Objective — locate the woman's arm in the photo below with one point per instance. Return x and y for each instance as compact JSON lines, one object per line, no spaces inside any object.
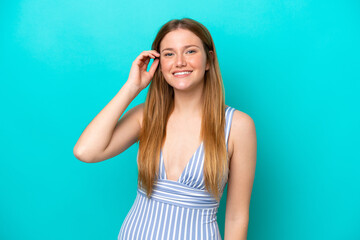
{"x":106,"y":136}
{"x":99,"y":134}
{"x":241,"y":176}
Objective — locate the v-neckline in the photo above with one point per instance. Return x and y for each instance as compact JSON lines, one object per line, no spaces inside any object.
{"x":186,"y":166}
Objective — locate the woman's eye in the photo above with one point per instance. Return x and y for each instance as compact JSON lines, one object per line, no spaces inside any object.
{"x":167,"y":54}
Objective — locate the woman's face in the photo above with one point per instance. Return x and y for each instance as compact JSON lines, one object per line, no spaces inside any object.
{"x":182,"y":51}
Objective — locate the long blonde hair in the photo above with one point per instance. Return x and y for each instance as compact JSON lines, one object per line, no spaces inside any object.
{"x":160,"y":103}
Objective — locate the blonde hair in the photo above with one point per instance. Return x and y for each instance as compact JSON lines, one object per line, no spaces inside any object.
{"x":160,"y":103}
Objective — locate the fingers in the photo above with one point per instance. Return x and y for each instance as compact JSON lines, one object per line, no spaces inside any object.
{"x":142,"y":61}
{"x":144,"y":58}
{"x":149,"y":54}
{"x":154,"y":53}
{"x":153,"y":67}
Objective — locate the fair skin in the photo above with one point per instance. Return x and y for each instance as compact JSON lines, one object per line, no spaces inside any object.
{"x":113,"y":136}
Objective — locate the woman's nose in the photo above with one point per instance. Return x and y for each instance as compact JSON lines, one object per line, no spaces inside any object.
{"x":180,"y":60}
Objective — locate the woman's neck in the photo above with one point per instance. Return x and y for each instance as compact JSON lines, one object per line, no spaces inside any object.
{"x":188,"y":103}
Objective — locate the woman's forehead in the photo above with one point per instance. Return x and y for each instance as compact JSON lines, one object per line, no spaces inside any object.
{"x":179,"y":38}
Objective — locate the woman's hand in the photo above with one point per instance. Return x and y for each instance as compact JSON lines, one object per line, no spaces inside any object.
{"x":138,"y":76}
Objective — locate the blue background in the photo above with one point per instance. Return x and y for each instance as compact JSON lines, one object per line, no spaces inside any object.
{"x":293,"y":66}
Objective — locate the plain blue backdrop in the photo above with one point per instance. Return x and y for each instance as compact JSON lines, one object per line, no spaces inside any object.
{"x":293,"y":66}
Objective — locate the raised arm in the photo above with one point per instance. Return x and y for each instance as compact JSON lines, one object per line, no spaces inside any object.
{"x":241,"y":176}
{"x":106,"y":136}
{"x":105,"y":129}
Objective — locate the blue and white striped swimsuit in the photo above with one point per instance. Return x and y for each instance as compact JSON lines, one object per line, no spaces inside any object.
{"x":177,"y":210}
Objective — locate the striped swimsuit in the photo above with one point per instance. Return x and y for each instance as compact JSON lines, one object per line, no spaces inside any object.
{"x":176,"y":210}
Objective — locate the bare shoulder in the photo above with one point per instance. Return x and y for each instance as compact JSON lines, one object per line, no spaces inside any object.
{"x":134,"y":114}
{"x":242,"y":130}
{"x":139,"y":112}
{"x":242,"y":121}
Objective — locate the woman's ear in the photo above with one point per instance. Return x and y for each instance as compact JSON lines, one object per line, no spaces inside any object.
{"x":212,"y":54}
{"x":208,"y":64}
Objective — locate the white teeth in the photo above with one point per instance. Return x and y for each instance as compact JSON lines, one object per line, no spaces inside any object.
{"x":181,"y":73}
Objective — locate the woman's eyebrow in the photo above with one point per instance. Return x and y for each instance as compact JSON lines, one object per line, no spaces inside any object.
{"x":192,"y":45}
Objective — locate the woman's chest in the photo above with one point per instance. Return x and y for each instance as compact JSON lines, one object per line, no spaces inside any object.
{"x":180,"y":146}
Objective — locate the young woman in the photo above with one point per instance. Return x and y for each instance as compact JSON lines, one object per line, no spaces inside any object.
{"x":190,"y":143}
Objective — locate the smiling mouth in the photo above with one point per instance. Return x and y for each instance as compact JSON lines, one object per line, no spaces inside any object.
{"x":182,"y":74}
